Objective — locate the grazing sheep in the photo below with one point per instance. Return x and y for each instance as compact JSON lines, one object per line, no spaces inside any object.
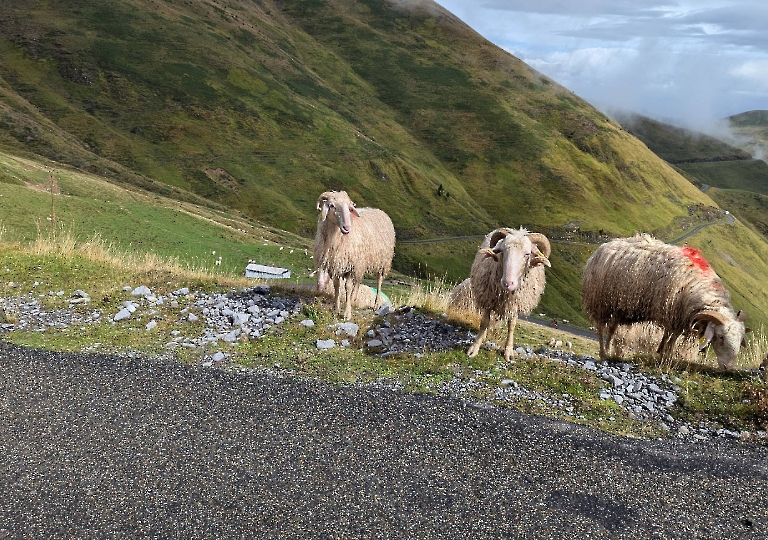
{"x":641,"y":279}
{"x":350,"y":242}
{"x":507,"y":278}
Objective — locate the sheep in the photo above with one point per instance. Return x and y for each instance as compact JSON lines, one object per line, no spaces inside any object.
{"x":350,"y":242}
{"x":507,"y":277}
{"x":641,"y":279}
{"x":364,"y":298}
{"x":461,"y":298}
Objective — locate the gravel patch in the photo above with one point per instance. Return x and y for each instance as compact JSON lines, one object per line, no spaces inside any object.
{"x":248,"y":314}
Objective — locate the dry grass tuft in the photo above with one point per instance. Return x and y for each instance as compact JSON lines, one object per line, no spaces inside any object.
{"x":63,"y":243}
{"x":755,"y":353}
{"x":432,"y":297}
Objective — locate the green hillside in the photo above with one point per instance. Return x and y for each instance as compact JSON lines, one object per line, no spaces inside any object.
{"x":749,"y":175}
{"x":234,"y":102}
{"x":86,"y":207}
{"x":257,"y":107}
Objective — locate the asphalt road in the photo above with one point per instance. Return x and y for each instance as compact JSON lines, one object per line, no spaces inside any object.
{"x":104,"y":447}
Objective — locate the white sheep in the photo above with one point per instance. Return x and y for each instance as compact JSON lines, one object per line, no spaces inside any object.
{"x":351,"y":242}
{"x":641,"y":279}
{"x":507,"y":278}
{"x":461,"y":298}
{"x":364,"y":298}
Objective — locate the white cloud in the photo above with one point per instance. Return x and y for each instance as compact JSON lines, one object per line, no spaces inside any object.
{"x":688,"y":60}
{"x":754,"y":71}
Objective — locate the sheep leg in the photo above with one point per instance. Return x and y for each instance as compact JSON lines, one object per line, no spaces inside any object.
{"x":378,"y":291}
{"x":481,"y":334}
{"x":509,"y":352}
{"x":665,"y":347}
{"x":600,"y":338}
{"x":351,"y":285}
{"x":337,"y":293}
{"x":609,"y":338}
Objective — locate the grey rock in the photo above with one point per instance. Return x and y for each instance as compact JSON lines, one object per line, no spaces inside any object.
{"x":309,"y":323}
{"x":239,"y":319}
{"x":374,"y":343}
{"x":122,"y":315}
{"x":141,"y":290}
{"x":347,"y":329}
{"x":384,"y":310}
{"x":325,"y":344}
{"x":232,"y":336}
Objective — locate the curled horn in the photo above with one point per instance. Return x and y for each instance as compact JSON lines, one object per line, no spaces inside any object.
{"x":542,"y":247}
{"x":497,"y":235}
{"x":542,"y":242}
{"x":710,"y":315}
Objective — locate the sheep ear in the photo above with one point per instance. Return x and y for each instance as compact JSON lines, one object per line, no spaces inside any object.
{"x":324,"y":211}
{"x":741,"y":316}
{"x":709,"y":333}
{"x":323,"y":198}
{"x":538,"y":258}
{"x":489,"y":254}
{"x":353,"y":210}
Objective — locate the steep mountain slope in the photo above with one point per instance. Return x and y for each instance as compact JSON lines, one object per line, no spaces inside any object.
{"x":261,"y":105}
{"x":234,"y":101}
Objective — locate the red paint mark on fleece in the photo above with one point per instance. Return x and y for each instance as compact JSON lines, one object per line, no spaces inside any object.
{"x":695,"y":257}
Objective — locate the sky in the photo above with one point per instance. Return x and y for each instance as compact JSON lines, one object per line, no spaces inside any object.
{"x":688,"y":62}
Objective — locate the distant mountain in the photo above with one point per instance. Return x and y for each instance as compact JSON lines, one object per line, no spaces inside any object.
{"x":751,"y":130}
{"x":750,"y":119}
{"x":675,"y":144}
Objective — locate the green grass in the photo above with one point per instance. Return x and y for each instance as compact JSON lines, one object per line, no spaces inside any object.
{"x":742,"y":175}
{"x":750,"y":208}
{"x":138,"y":221}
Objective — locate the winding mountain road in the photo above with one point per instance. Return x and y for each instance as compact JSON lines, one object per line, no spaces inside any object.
{"x":96,"y":446}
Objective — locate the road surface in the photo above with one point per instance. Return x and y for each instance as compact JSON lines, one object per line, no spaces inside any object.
{"x":105,"y":447}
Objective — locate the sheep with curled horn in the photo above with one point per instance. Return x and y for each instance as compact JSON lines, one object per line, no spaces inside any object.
{"x":641,"y":279}
{"x":351,"y":242}
{"x":507,"y":278}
